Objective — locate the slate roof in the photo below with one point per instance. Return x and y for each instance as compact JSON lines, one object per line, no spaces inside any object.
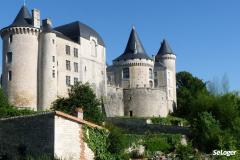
{"x":77,"y":29}
{"x":164,"y":49}
{"x":23,"y":18}
{"x":134,"y":48}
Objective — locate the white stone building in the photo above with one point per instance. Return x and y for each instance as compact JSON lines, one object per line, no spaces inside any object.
{"x":41,"y":62}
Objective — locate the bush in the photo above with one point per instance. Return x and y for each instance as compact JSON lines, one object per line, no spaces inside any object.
{"x":81,"y":95}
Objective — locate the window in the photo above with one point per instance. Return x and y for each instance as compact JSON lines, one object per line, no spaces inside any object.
{"x":126,"y":73}
{"x":67,"y":49}
{"x":53,"y":41}
{"x":93,"y":48}
{"x":10,"y":38}
{"x":75,"y":51}
{"x":155,"y":83}
{"x":9,"y":57}
{"x":53,"y":73}
{"x":75,"y":80}
{"x":150,"y":73}
{"x":75,"y":67}
{"x":68,"y":80}
{"x":155,"y":74}
{"x":68,"y":65}
{"x":150,"y":84}
{"x":10,"y":75}
{"x":53,"y":58}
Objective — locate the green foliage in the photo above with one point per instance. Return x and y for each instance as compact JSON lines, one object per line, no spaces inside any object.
{"x":188,"y":88}
{"x":81,"y":95}
{"x":187,"y":152}
{"x":6,"y":110}
{"x":116,"y":140}
{"x":170,"y":120}
{"x":97,"y":140}
{"x":154,"y":143}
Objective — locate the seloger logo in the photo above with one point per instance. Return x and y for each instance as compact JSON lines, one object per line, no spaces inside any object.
{"x":223,"y":153}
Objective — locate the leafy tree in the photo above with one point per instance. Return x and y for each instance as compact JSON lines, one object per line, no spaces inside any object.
{"x":188,"y":88}
{"x":3,"y":99}
{"x":81,"y":95}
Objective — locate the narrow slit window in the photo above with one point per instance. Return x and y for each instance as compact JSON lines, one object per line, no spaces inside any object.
{"x":10,"y":75}
{"x":9,"y":57}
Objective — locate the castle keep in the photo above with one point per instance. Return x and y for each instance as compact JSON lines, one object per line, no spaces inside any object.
{"x":41,"y":62}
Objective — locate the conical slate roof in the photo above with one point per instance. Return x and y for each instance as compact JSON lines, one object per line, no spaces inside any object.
{"x":134,"y":48}
{"x":164,"y":49}
{"x":23,"y":18}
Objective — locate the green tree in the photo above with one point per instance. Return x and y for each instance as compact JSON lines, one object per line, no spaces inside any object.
{"x":81,"y":95}
{"x":188,"y":88}
{"x":3,"y":99}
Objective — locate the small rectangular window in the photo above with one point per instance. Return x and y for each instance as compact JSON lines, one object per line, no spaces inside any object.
{"x":10,"y":75}
{"x":68,"y":80}
{"x":75,"y":67}
{"x":67,"y":49}
{"x":68,"y":65}
{"x":126,"y":73}
{"x":53,"y":73}
{"x":9,"y":57}
{"x":75,"y":80}
{"x":53,"y":58}
{"x":10,"y":38}
{"x":53,"y":41}
{"x":75,"y":50}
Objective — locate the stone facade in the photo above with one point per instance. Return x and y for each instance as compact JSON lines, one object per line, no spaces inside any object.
{"x":41,"y":62}
{"x":54,"y":134}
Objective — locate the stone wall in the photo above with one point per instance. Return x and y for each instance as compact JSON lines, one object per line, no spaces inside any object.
{"x":28,"y":134}
{"x":114,"y":105}
{"x":145,"y":102}
{"x":44,"y":133}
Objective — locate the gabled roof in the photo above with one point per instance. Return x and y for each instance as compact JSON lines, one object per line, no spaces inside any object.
{"x":23,"y":18}
{"x":164,"y":49}
{"x":134,"y":48}
{"x":77,"y":29}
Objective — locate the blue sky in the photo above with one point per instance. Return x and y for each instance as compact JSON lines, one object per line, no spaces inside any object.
{"x":204,"y":34}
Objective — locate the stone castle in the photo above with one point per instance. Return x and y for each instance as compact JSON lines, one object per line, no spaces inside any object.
{"x":40,"y":63}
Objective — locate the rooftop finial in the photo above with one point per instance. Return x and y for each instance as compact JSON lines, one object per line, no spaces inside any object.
{"x":133,"y":27}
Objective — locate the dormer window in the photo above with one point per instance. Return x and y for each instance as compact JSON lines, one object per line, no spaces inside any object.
{"x":93,"y":48}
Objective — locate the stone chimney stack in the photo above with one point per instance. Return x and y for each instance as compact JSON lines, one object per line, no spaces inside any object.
{"x":36,"y":18}
{"x":79,"y":112}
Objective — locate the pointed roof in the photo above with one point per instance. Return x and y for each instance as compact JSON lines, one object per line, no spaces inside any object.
{"x":134,"y":48}
{"x":164,"y":49}
{"x":23,"y":18}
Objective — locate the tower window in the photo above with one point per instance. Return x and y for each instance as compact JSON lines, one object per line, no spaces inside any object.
{"x":10,"y":75}
{"x":93,"y":48}
{"x":150,"y":73}
{"x":126,"y":73}
{"x":53,"y":73}
{"x":53,"y":58}
{"x":155,"y":83}
{"x":53,"y":41}
{"x":67,"y":49}
{"x":75,"y":50}
{"x":11,"y":38}
{"x":150,"y":84}
{"x":9,"y":57}
{"x":68,"y":80}
{"x":68,"y":65}
{"x":75,"y":80}
{"x":75,"y":67}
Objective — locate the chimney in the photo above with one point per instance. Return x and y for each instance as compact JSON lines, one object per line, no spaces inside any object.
{"x":47,"y":22}
{"x":36,"y":18}
{"x":79,"y":113}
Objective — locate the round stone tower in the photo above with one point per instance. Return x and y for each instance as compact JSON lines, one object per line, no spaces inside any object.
{"x":48,"y":66}
{"x":134,"y":68}
{"x":165,"y":71}
{"x":20,"y":60}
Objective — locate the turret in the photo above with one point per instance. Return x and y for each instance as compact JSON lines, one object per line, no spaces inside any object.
{"x":20,"y":60}
{"x":165,"y":73}
{"x":47,"y":66}
{"x":134,"y":68}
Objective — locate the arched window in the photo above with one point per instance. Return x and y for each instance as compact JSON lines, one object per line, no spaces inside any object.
{"x":150,"y":73}
{"x":126,"y":73}
{"x":93,"y":48}
{"x":150,"y":84}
